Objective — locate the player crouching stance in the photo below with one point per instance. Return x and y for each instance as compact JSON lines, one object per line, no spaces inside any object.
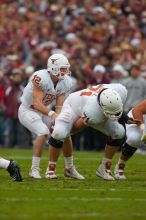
{"x":99,"y":107}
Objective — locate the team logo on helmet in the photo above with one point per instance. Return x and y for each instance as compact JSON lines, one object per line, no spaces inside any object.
{"x":53,"y":60}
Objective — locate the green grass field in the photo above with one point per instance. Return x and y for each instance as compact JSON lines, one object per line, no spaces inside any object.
{"x":92,"y":198}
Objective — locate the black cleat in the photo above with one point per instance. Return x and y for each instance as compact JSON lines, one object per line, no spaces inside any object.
{"x":14,"y":171}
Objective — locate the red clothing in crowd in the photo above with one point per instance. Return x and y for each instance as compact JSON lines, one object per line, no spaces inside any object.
{"x":1,"y":96}
{"x":12,"y":100}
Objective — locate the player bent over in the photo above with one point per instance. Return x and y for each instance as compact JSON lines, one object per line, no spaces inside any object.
{"x":99,"y":107}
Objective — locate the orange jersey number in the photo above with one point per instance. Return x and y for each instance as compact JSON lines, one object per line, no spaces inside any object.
{"x":94,"y":90}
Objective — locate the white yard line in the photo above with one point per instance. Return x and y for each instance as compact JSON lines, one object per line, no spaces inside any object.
{"x":84,"y":199}
{"x":89,"y":189}
{"x":46,"y":158}
{"x":76,"y":215}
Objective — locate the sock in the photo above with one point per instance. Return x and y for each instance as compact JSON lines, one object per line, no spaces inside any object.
{"x":68,"y":162}
{"x":52,"y":166}
{"x":104,"y":160}
{"x":4,"y":163}
{"x":36,"y":161}
{"x":51,"y":162}
{"x":121,"y":161}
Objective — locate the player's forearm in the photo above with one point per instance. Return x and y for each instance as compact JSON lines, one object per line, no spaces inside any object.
{"x":139,"y":110}
{"x":59,"y":103}
{"x":137,"y":114}
{"x":58,"y":109}
{"x":38,"y":105}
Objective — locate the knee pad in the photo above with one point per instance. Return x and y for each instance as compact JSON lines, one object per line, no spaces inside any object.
{"x":115,"y":142}
{"x":127,"y":150}
{"x":55,"y":143}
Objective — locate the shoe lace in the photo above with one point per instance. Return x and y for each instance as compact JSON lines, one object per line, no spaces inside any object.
{"x":36,"y":169}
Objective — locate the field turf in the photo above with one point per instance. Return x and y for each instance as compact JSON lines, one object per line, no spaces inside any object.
{"x":67,"y":199}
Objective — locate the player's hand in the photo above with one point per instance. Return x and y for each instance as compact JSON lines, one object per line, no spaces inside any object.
{"x":78,"y":126}
{"x":54,"y":116}
{"x":51,"y":127}
{"x":133,"y":121}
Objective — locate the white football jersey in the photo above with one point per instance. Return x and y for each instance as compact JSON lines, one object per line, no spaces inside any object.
{"x":85,"y":103}
{"x":43,"y":80}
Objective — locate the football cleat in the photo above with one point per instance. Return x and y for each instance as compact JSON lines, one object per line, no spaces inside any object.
{"x":104,"y":171}
{"x":119,"y":172}
{"x":50,"y":172}
{"x":35,"y":172}
{"x":73,"y":173}
{"x":14,"y":171}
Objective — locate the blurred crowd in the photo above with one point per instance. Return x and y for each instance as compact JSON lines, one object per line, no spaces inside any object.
{"x":104,"y":41}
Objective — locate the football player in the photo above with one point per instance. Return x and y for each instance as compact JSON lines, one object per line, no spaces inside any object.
{"x":136,"y":135}
{"x":12,"y":167}
{"x":46,"y":86}
{"x":99,"y":107}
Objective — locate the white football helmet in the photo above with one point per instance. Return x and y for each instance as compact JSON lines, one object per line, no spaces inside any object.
{"x":111,"y":103}
{"x":56,"y":62}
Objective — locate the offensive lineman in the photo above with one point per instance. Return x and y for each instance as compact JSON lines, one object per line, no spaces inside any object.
{"x":99,"y":107}
{"x":44,"y":87}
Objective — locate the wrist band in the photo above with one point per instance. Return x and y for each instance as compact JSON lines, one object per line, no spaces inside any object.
{"x":51,"y":113}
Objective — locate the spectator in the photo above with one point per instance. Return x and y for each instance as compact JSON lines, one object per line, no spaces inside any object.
{"x":17,"y":135}
{"x":136,"y":87}
{"x":100,"y":75}
{"x":1,"y":115}
{"x":118,"y":74}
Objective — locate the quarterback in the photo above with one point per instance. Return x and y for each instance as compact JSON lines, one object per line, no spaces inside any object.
{"x":46,"y":86}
